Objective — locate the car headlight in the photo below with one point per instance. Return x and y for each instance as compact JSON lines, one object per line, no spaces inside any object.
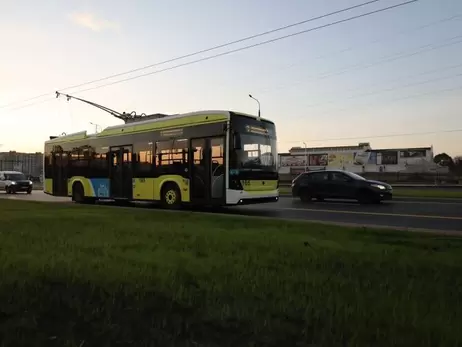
{"x":13,"y":183}
{"x":30,"y":183}
{"x":378,"y":186}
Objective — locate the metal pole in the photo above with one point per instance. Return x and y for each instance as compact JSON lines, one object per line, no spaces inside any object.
{"x":96,"y":127}
{"x":250,"y":95}
{"x":306,"y":157}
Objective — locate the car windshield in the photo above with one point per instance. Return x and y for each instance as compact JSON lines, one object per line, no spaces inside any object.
{"x":355,"y":176}
{"x":258,"y":152}
{"x":15,"y":177}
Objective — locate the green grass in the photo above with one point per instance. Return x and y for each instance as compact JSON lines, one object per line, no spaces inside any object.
{"x":415,"y":193}
{"x":107,"y":276}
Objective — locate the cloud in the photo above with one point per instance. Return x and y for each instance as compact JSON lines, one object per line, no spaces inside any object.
{"x":92,"y":22}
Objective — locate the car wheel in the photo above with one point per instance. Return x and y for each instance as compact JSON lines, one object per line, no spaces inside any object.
{"x":365,"y":197}
{"x":29,"y":191}
{"x":306,"y":196}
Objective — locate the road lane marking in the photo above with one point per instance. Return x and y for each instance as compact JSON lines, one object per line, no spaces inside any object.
{"x":366,"y":213}
{"x":391,"y":202}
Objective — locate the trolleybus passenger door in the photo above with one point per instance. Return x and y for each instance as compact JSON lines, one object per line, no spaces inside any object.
{"x":60,"y":165}
{"x":121,"y":172}
{"x":201,"y":170}
{"x":207,"y":170}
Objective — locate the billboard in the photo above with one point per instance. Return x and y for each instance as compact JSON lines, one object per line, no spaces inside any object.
{"x":289,"y":160}
{"x":365,"y":157}
{"x":340,"y":159}
{"x":318,"y":159}
{"x":388,"y":157}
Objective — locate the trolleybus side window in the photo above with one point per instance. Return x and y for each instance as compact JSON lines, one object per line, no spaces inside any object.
{"x":145,"y":157}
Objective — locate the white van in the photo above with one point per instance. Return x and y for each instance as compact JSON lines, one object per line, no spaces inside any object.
{"x":14,"y":181}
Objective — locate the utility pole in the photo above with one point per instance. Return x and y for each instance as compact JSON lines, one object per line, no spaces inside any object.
{"x":306,"y":157}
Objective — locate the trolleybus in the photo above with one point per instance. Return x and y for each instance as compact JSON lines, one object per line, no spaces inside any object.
{"x":202,"y":158}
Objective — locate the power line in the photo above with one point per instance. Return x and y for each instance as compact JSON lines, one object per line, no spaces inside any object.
{"x":238,"y":49}
{"x":406,"y":31}
{"x":380,"y":91}
{"x":403,"y":77}
{"x":378,"y":136}
{"x":200,"y":52}
{"x":251,"y":46}
{"x":383,"y":60}
{"x":447,"y":90}
{"x":29,"y":105}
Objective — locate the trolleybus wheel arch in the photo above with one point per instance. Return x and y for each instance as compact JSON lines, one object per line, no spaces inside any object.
{"x":170,"y":195}
{"x":78,"y":194}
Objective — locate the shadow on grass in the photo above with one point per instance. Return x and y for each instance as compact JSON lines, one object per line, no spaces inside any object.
{"x":53,"y":313}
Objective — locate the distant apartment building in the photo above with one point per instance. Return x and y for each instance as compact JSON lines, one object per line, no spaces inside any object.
{"x":31,"y":164}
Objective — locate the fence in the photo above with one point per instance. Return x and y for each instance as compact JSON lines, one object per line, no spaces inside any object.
{"x":32,"y":168}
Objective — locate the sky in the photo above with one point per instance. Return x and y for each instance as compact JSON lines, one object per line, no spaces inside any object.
{"x":393,"y":79}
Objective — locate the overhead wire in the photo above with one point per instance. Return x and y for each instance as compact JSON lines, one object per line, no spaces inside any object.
{"x":446,"y":90}
{"x":378,"y":136}
{"x":247,"y":38}
{"x":390,"y":89}
{"x":383,"y":60}
{"x":251,"y":46}
{"x":377,"y":40}
{"x":427,"y":72}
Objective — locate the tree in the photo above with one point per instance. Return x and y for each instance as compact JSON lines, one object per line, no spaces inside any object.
{"x":458,"y":165}
{"x":443,"y":159}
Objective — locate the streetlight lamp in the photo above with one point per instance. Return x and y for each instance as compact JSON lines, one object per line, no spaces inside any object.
{"x":96,"y":126}
{"x":250,"y":96}
{"x":306,"y":156}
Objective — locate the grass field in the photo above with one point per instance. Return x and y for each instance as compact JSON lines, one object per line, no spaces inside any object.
{"x":99,"y":276}
{"x":411,"y":192}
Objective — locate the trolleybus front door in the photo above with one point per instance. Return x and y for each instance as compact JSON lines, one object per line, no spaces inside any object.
{"x":207,"y":170}
{"x":121,"y":172}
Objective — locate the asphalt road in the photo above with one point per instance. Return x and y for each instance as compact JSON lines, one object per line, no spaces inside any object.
{"x":403,"y":213}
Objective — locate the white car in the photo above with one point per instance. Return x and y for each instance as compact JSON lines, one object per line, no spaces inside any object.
{"x":13,"y":181}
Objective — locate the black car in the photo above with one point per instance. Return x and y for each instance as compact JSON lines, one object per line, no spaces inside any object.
{"x":337,"y":184}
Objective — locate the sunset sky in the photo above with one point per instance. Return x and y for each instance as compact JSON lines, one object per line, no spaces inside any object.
{"x":393,"y":79}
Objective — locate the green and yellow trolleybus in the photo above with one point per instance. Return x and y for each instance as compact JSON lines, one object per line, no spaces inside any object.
{"x":202,"y":158}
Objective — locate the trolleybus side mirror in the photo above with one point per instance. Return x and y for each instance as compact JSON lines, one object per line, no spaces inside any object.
{"x":237,"y":141}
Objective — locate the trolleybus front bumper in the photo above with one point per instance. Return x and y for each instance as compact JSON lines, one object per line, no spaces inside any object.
{"x":241,"y":197}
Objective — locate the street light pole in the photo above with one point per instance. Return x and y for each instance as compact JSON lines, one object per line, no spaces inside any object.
{"x":250,"y":95}
{"x":96,"y":127}
{"x":306,"y":157}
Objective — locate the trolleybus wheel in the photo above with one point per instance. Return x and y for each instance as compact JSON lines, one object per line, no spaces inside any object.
{"x":171,"y":196}
{"x":78,"y":194}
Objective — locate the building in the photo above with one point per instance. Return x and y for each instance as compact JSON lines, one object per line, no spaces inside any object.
{"x":359,"y":158}
{"x":31,"y":164}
